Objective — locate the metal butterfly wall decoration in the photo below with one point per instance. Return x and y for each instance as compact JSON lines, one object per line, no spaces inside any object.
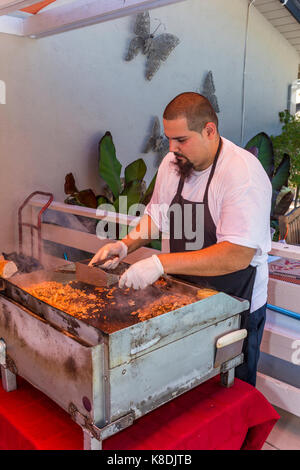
{"x":209,"y":91}
{"x":156,"y":49}
{"x":156,"y":143}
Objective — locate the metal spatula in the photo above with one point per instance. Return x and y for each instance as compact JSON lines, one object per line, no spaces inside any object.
{"x":103,"y":261}
{"x":111,"y":278}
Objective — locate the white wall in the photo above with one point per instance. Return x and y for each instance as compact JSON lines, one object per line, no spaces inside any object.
{"x":271,"y":65}
{"x":63,"y":92}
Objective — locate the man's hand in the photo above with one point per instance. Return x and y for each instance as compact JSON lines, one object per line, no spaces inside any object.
{"x":142,"y":274}
{"x":118,"y":249}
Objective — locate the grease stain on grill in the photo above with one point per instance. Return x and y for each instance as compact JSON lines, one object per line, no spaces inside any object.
{"x":15,"y":334}
{"x":7,"y":317}
{"x":11,"y":365}
{"x":70,"y":367}
{"x":72,"y":327}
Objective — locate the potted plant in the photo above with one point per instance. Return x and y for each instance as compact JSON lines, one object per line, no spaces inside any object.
{"x":131,"y":185}
{"x":289,"y":142}
{"x":262,"y":147}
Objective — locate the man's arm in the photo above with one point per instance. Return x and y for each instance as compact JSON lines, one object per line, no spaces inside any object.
{"x":218,"y":259}
{"x":221,"y":258}
{"x":142,"y":234}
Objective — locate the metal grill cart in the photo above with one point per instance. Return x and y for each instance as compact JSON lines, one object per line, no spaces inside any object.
{"x":108,"y":372}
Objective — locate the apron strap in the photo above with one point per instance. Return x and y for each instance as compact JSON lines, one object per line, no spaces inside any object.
{"x":179,"y":189}
{"x":212,"y":171}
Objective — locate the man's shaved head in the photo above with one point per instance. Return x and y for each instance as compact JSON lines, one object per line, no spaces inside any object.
{"x":194,"y":107}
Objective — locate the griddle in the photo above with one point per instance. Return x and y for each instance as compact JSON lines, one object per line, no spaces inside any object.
{"x":108,"y":372}
{"x":116,"y":315}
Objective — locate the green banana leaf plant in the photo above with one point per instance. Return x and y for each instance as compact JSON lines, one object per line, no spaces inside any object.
{"x":132,"y":184}
{"x":262,"y":147}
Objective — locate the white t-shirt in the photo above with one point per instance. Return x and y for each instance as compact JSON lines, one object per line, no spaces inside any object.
{"x":239,"y":201}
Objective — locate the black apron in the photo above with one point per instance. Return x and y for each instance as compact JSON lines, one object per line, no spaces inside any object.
{"x":239,"y":283}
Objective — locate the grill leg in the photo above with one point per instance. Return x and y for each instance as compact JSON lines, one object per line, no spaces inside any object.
{"x":9,"y":379}
{"x":89,"y":442}
{"x":227,"y":378}
{"x":227,"y":370}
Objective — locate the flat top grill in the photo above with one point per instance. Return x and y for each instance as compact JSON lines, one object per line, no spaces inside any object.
{"x":109,"y":371}
{"x":106,"y":309}
{"x":110,"y":309}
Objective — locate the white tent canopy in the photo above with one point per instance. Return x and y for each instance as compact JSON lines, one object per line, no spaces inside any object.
{"x":64,"y":15}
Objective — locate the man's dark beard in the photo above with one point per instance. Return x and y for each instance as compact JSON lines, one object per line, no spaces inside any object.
{"x":183,"y":167}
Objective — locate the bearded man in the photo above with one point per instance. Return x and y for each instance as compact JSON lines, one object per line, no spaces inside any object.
{"x":222,"y":193}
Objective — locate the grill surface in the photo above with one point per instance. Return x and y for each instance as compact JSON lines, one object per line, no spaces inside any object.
{"x":113,"y":309}
{"x":119,"y":308}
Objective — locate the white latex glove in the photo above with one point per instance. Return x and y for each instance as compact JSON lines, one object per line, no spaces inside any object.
{"x":142,"y":274}
{"x":118,"y":249}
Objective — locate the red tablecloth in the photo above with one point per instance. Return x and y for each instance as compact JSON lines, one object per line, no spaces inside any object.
{"x":208,"y":417}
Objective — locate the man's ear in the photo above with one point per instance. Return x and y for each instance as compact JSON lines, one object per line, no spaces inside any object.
{"x":211,"y":130}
